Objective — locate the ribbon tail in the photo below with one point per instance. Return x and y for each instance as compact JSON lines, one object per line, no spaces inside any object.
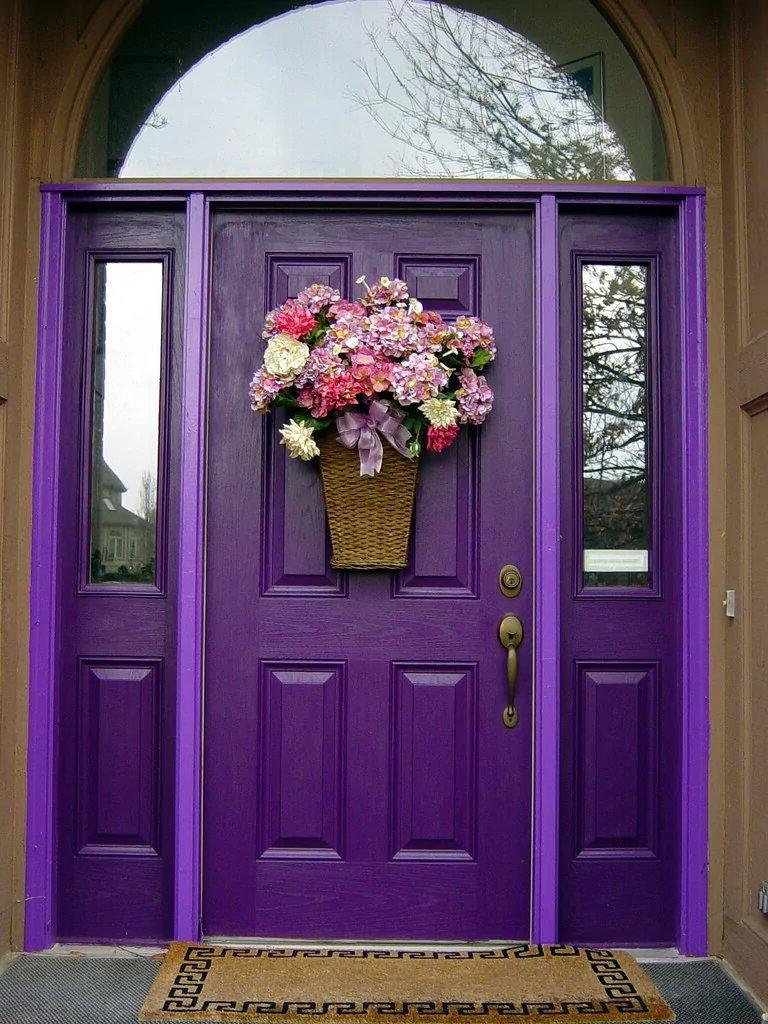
{"x":399,"y":441}
{"x":371,"y":452}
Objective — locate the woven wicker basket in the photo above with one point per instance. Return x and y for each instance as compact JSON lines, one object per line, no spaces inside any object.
{"x":369,"y":516}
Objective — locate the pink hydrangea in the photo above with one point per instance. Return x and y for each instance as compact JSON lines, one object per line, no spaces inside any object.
{"x":349,"y":330}
{"x":294,"y":320}
{"x":371,"y":370}
{"x":474,"y":397}
{"x":263,"y":389}
{"x":472,"y":334}
{"x":386,"y":292}
{"x":321,"y":360}
{"x":317,"y":297}
{"x":418,"y":378}
{"x":343,"y":307}
{"x":393,"y":333}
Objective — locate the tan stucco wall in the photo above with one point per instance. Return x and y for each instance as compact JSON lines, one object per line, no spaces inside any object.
{"x":703,"y":63}
{"x":745,"y":764}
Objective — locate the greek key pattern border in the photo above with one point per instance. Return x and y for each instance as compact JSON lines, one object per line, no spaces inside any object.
{"x":185,"y":995}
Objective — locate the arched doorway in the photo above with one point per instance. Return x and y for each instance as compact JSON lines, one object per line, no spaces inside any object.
{"x":631,"y":677}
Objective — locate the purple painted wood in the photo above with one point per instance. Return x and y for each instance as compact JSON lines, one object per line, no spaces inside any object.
{"x":43,"y":612}
{"x":116,"y":657}
{"x":696,"y":587}
{"x":627,"y":890}
{"x":190,"y":626}
{"x":359,"y":781}
{"x":575,"y":191}
{"x":546,"y":797}
{"x":40,"y":882}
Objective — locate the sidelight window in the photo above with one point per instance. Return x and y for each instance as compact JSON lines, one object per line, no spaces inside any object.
{"x":125,"y":372}
{"x":615,"y":425}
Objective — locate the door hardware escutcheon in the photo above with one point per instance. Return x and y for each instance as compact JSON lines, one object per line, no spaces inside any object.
{"x":510,"y":638}
{"x":510,"y":580}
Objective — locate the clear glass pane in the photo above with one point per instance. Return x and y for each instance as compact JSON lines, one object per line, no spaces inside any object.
{"x":125,"y":404}
{"x":616,"y":425}
{"x":373,"y":88}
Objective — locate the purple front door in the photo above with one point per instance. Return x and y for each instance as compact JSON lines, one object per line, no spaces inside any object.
{"x":358,"y":778}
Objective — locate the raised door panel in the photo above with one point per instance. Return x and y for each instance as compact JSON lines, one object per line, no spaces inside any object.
{"x":301,"y":760}
{"x":617,"y":767}
{"x":118,"y":767}
{"x":443,"y":557}
{"x":433,"y":770}
{"x":449,"y":285}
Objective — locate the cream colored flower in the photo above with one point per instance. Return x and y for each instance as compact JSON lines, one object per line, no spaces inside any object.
{"x":285,"y":357}
{"x":439,"y":412}
{"x":298,"y":439}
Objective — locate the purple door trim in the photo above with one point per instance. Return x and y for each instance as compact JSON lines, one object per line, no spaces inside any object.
{"x":44,"y":588}
{"x":695,"y":608}
{"x":546,"y":739}
{"x":43,"y":604}
{"x":187,"y":831}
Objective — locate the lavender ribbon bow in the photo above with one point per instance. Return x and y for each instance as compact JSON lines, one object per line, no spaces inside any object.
{"x":363,"y":429}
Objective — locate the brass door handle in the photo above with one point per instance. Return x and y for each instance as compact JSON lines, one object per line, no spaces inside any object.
{"x":510,"y":637}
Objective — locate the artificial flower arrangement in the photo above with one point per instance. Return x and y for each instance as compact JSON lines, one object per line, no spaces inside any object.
{"x":378,"y":368}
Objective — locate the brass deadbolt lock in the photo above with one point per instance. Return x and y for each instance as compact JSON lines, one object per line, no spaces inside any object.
{"x":510,"y":580}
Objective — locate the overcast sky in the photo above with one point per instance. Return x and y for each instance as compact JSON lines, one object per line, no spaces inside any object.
{"x":133,"y":315}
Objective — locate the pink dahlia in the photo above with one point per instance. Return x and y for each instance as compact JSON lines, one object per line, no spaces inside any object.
{"x":331,"y":391}
{"x":440,"y":438}
{"x":294,"y":320}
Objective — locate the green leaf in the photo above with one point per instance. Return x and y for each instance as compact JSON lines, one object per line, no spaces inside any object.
{"x":302,"y":416}
{"x":482,"y":356}
{"x":287,"y":400}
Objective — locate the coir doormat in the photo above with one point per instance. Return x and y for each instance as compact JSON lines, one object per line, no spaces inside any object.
{"x":514,"y":983}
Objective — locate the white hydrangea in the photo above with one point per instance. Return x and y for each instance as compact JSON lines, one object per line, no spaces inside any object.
{"x":439,"y":412}
{"x":299,"y":439}
{"x":285,"y":357}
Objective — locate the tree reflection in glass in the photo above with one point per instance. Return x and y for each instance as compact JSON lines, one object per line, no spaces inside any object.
{"x":472,"y":98}
{"x":615,"y":422}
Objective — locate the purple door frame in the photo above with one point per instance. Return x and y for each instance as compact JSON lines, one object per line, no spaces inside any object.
{"x":44,"y":619}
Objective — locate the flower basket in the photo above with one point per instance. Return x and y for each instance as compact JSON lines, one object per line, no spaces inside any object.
{"x":365,"y":382}
{"x":369,"y":516}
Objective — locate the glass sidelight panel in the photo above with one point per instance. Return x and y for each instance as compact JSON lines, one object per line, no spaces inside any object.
{"x":615,"y":419}
{"x":125,"y":404}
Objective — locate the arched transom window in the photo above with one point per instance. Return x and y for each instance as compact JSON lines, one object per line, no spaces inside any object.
{"x":373,"y":88}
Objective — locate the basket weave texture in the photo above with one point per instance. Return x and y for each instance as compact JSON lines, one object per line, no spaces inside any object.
{"x":369,"y":516}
